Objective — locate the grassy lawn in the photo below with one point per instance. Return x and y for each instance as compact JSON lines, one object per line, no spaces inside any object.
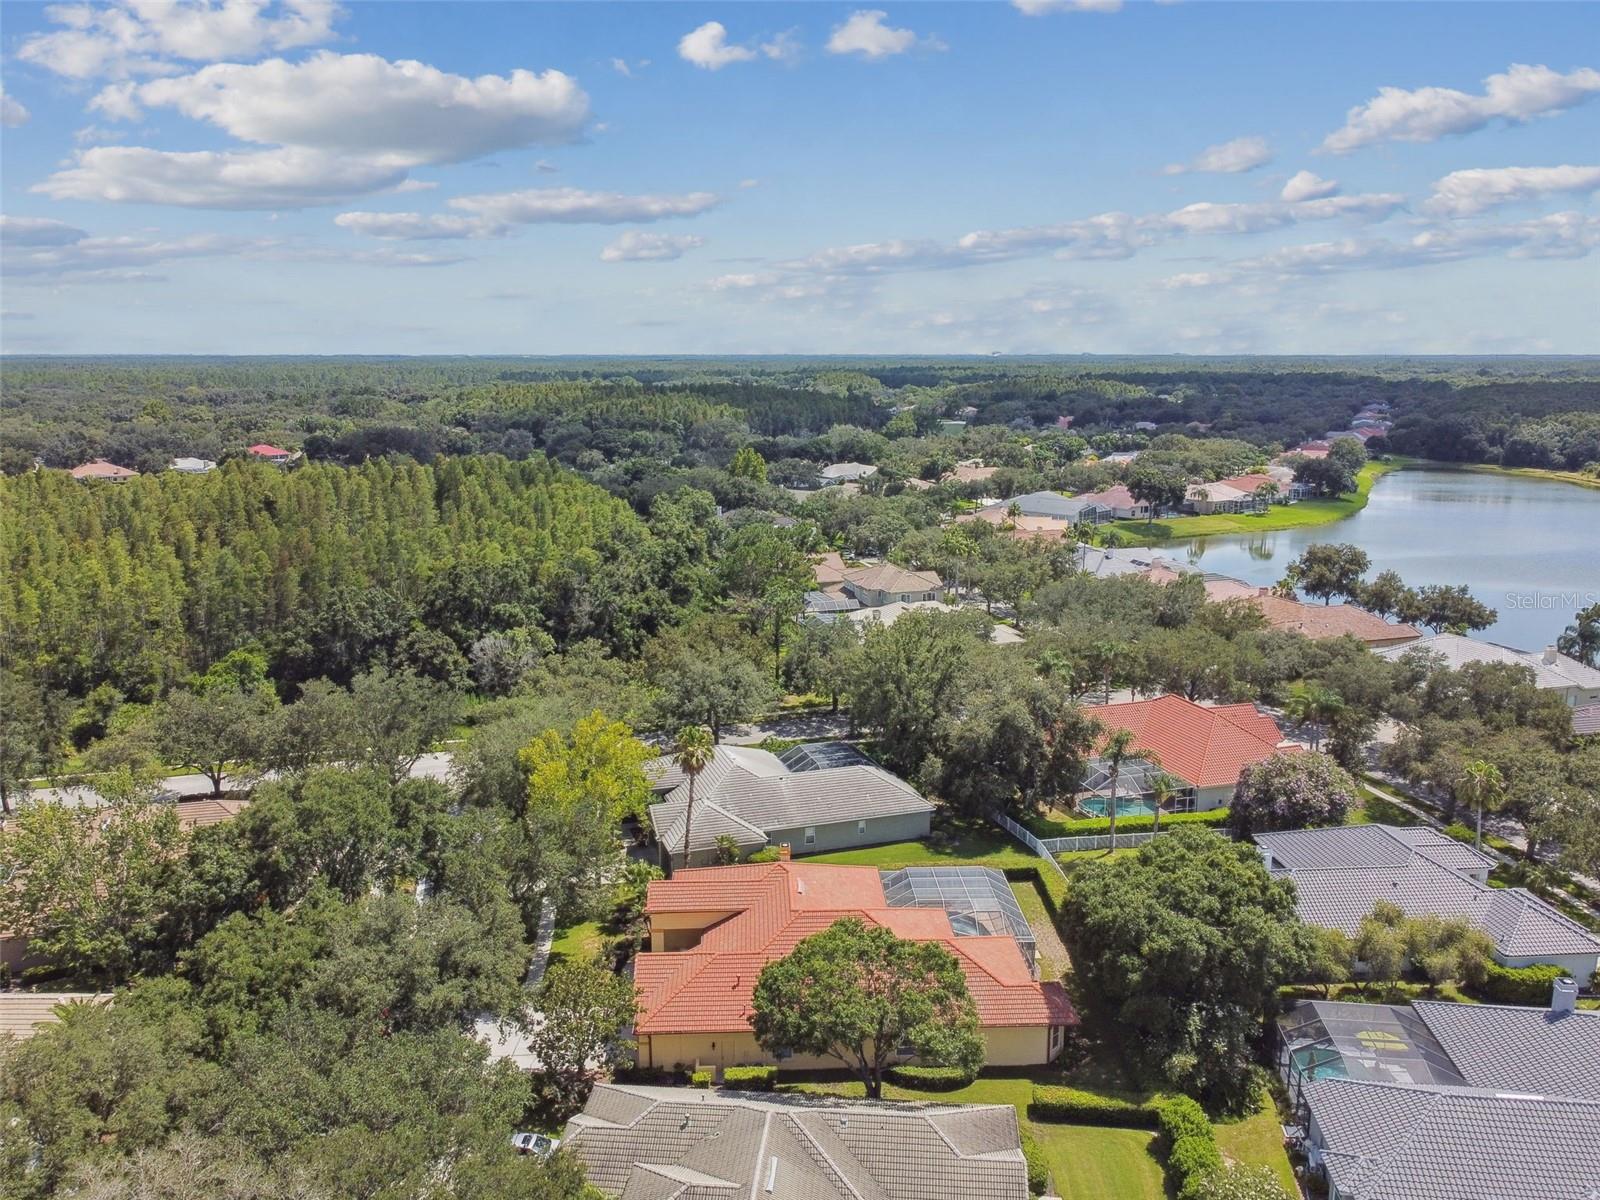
{"x":974,"y":846}
{"x":1279,"y":516}
{"x":1089,"y":1162}
{"x":1375,"y":810}
{"x":1581,"y":480}
{"x":1258,"y":1139}
{"x":577,"y":941}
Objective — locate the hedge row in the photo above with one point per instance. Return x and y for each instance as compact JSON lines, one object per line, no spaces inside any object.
{"x":750,"y":1079}
{"x":1213,"y":818}
{"x":1038,"y":1165}
{"x":930,"y":1079}
{"x":1190,"y":1144}
{"x":1054,"y":1103}
{"x":1521,"y":985}
{"x":702,"y":1078}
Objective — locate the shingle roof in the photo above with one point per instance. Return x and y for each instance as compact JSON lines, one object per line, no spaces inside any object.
{"x":772,"y":907}
{"x":101,"y":469}
{"x":744,"y":792}
{"x":1205,"y":747}
{"x":1519,"y":1049}
{"x":1559,"y":671}
{"x":886,"y":577}
{"x":1389,"y":1142}
{"x":644,"y":1143}
{"x":1339,"y":875}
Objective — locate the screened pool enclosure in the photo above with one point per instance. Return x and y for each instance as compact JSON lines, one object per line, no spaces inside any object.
{"x":1385,"y":1043}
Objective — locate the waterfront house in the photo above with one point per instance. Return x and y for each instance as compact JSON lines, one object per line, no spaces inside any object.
{"x":1318,"y":621}
{"x":1119,"y":502}
{"x":1217,"y":497}
{"x":1576,"y":683}
{"x":1048,"y":504}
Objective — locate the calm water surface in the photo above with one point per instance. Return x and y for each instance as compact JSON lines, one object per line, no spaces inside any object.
{"x":1529,"y":548}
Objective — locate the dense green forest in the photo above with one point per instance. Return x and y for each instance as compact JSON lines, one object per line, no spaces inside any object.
{"x":593,"y":413}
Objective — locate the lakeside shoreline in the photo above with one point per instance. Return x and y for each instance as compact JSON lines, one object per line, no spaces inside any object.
{"x":1572,"y":477}
{"x":1279,"y":516}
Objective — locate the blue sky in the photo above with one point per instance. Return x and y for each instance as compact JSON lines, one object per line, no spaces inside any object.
{"x":246,"y":176}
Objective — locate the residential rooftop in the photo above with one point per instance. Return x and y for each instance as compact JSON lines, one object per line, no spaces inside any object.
{"x":663,"y":1143}
{"x":1203,"y":746}
{"x":1551,"y":668}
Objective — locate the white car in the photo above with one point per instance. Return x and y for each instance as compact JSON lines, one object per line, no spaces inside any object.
{"x":538,"y":1144}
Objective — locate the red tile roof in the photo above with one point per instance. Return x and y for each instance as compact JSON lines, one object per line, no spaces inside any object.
{"x":266,"y":451}
{"x":1205,"y":747}
{"x":772,"y":907}
{"x":101,"y":469}
{"x":1252,"y":482}
{"x":1332,"y":620}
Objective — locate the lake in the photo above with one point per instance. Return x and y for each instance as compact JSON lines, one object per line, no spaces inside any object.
{"x":1529,"y":548}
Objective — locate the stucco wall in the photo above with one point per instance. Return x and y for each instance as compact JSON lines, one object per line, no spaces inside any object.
{"x":1579,"y":966}
{"x":1023,"y":1046}
{"x":1212,"y":797}
{"x":843,"y":835}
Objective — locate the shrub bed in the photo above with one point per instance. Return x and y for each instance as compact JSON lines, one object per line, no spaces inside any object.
{"x":702,"y":1078}
{"x":750,"y":1079}
{"x":1182,"y":1117}
{"x":1521,"y":985}
{"x":1190,"y":1161}
{"x":1046,"y":828}
{"x":1069,"y":1104}
{"x":930,"y":1079}
{"x":1038,"y":1165}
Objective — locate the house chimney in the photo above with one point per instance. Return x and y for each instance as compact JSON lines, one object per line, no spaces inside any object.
{"x":1564,"y":996}
{"x":1549,"y":655}
{"x":784,"y":853}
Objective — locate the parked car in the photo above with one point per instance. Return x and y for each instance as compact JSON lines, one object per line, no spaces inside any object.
{"x":538,"y":1144}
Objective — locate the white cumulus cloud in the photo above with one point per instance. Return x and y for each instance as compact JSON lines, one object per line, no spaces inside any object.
{"x":12,"y":111}
{"x":1427,"y":114}
{"x":1038,"y":8}
{"x":1226,"y":158}
{"x":143,"y":37}
{"x":1304,"y":185}
{"x":493,"y":214}
{"x":708,"y":47}
{"x":403,"y":113}
{"x":266,"y":179}
{"x":865,"y":33}
{"x":637,"y":246}
{"x":1466,"y":193}
{"x":38,"y":231}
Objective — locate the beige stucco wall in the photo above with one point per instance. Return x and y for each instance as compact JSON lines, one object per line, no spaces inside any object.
{"x":1213,"y":797}
{"x":1023,"y":1046}
{"x":844,"y":835}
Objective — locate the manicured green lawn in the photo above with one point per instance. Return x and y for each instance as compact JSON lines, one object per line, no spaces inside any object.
{"x":977,"y":846}
{"x":1375,"y":810}
{"x":577,"y":941}
{"x":1091,"y":1162}
{"x":1279,"y":516}
{"x":1258,"y":1139}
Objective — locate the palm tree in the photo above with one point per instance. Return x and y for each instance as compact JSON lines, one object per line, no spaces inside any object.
{"x":1266,"y":494}
{"x":1117,"y":750}
{"x":692,"y":750}
{"x":1312,"y":705}
{"x":1485,"y":785}
{"x":957,"y":544}
{"x":1163,"y":788}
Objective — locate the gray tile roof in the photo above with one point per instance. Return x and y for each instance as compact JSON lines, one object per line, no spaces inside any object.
{"x":1390,"y":1142}
{"x":644,"y":1143}
{"x":1340,"y":873}
{"x":746,"y":793}
{"x":1550,"y":671}
{"x":1519,"y":1049}
{"x":1047,"y":504}
{"x":1125,"y":560}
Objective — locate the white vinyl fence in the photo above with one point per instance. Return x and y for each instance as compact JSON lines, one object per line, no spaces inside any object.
{"x":1094,"y":841}
{"x":1027,"y":839}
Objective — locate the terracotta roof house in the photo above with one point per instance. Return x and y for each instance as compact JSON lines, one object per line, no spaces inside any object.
{"x":972,"y":473}
{"x":1119,"y":502}
{"x":814,"y":798}
{"x":887,"y":583}
{"x":1340,"y":873}
{"x":1447,"y":1100}
{"x":1021,"y":528}
{"x":22,"y":1013}
{"x":101,"y":469}
{"x":1319,"y":621}
{"x":713,"y":929}
{"x":671,"y":1144}
{"x":1311,"y":450}
{"x":1576,"y":683}
{"x":1204,"y":747}
{"x":271,"y":454}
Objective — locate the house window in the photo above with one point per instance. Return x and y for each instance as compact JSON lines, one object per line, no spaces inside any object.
{"x":811,"y":835}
